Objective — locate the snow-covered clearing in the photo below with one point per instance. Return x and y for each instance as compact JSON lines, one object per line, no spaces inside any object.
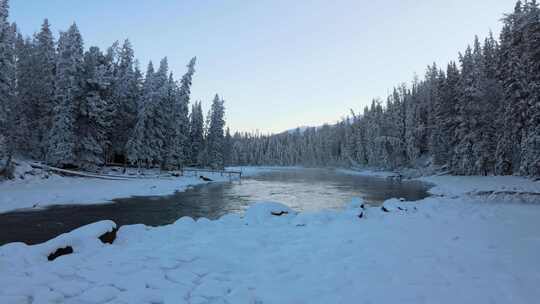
{"x":37,"y":192}
{"x":451,"y":249}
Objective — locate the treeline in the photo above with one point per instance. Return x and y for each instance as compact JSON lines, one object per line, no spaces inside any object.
{"x":73,"y":107}
{"x":478,"y":116}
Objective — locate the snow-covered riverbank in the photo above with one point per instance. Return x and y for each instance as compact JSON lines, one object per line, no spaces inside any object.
{"x":452,"y":249}
{"x":36,"y":192}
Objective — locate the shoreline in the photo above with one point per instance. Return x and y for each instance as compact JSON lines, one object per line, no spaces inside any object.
{"x":447,"y":248}
{"x":36,"y":193}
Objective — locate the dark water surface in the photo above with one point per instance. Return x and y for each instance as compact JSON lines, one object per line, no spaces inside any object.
{"x":301,"y":189}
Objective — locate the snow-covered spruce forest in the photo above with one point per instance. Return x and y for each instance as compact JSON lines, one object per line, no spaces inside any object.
{"x":72,"y":107}
{"x":76,"y":108}
{"x":480,"y":115}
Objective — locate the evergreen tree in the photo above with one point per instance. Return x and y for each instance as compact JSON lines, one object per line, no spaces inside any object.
{"x":178,"y":121}
{"x":488,"y":108}
{"x":43,"y":86}
{"x":196,"y":134}
{"x":124,"y":99}
{"x":25,"y":111}
{"x":514,"y":79}
{"x":138,"y":146}
{"x":504,"y":152}
{"x":441,"y":108}
{"x":7,"y":85}
{"x":530,"y":164}
{"x":173,"y":145}
{"x":215,"y":136}
{"x":182,"y":109}
{"x":62,"y":139}
{"x":91,"y":120}
{"x":467,"y":108}
{"x":83,"y":109}
{"x":160,"y":109}
{"x":227,"y":149}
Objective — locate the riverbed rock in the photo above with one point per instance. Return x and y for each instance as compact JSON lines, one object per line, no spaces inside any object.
{"x":108,"y":237}
{"x":60,"y":252}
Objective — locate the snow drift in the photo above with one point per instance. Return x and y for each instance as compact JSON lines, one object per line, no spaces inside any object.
{"x":441,"y":250}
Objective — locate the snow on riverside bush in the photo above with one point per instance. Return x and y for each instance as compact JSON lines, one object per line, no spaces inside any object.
{"x":449,"y":251}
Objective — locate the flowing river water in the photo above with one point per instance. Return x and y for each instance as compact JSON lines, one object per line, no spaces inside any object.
{"x":301,"y":189}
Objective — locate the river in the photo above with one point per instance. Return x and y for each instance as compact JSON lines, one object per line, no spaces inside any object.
{"x":301,"y":189}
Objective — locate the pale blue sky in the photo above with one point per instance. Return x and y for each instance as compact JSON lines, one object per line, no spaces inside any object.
{"x":280,"y":64}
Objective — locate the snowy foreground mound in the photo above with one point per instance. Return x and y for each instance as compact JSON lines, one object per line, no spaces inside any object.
{"x":437,"y":251}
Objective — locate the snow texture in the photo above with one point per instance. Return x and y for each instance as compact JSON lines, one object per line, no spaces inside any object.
{"x":451,"y":249}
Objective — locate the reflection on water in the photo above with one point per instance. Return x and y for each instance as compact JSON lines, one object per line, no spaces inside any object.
{"x":301,"y":189}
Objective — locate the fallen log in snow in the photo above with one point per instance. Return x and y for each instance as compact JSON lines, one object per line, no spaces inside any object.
{"x":93,"y":175}
{"x":74,"y":173}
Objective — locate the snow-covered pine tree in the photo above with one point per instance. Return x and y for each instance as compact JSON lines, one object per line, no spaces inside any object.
{"x":123,"y":102}
{"x":182,"y":110}
{"x":227,"y":150}
{"x":515,"y":79}
{"x":391,"y":140}
{"x":488,"y":108}
{"x":416,"y":117}
{"x":530,"y":164}
{"x":204,"y":154}
{"x":160,"y":113}
{"x":7,"y":87}
{"x":43,"y":85}
{"x":196,"y":134}
{"x":360,"y":139}
{"x":138,"y":146}
{"x":91,"y":119}
{"x":109,"y":73}
{"x":215,"y":134}
{"x":177,"y":145}
{"x":439,"y":147}
{"x":464,"y":161}
{"x":445,"y":115}
{"x":24,"y":107}
{"x":420,"y":116}
{"x":505,"y":141}
{"x":430,"y":89}
{"x":62,"y":139}
{"x":401,"y":97}
{"x":173,"y":146}
{"x":147,"y":141}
